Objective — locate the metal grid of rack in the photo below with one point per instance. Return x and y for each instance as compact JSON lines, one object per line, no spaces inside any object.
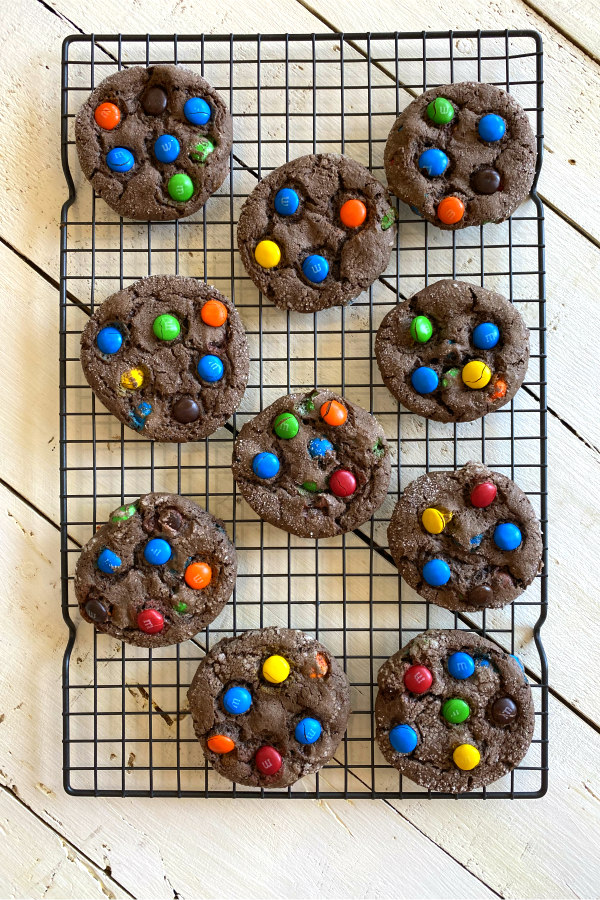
{"x":127,"y":731}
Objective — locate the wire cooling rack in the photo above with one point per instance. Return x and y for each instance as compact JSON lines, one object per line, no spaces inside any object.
{"x":127,"y":729}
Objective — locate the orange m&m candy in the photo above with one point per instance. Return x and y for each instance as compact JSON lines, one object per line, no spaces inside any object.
{"x":333,"y":412}
{"x":499,"y":390}
{"x":107,"y":116}
{"x":450,"y":210}
{"x":198,"y":575}
{"x":321,"y":666}
{"x":214,"y":313}
{"x":353,"y":213}
{"x":220,"y":743}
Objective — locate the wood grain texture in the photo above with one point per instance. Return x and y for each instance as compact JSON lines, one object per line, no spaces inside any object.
{"x":576,"y":19}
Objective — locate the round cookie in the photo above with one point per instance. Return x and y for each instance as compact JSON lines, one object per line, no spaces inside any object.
{"x":158,"y":572}
{"x":269,"y":707}
{"x":313,"y":464}
{"x":454,"y":712}
{"x":154,"y":142}
{"x":453,"y":352}
{"x":316,"y":232}
{"x":467,"y":539}
{"x":462,"y":154}
{"x":168,"y":357}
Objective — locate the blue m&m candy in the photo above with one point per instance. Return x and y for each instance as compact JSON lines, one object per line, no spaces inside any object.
{"x":433,"y":162}
{"x":491,"y":128}
{"x":308,"y":731}
{"x":315,"y":268}
{"x":237,"y":700}
{"x":157,"y":552}
{"x":265,"y":465}
{"x":403,"y":738}
{"x":210,"y":368}
{"x":436,"y":572}
{"x":197,"y":111}
{"x":319,"y":447}
{"x":486,"y":336}
{"x":461,"y":665}
{"x":166,"y":148}
{"x":424,"y":380}
{"x":108,"y":562}
{"x":286,"y":202}
{"x":507,"y":536}
{"x":109,"y":340}
{"x":119,"y":159}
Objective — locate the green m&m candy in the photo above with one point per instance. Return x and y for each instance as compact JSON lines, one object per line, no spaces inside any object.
{"x":200,"y":152}
{"x":180,"y":607}
{"x":455,"y":711}
{"x":286,"y":425}
{"x":421,"y":329}
{"x":166,"y":327}
{"x":180,"y":187}
{"x":451,"y":373}
{"x":123,"y":513}
{"x":310,"y":486}
{"x":440,"y":111}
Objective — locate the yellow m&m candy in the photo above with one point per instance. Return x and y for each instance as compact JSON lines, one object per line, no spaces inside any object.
{"x":476,"y":374}
{"x":435,"y":520}
{"x":466,"y":757}
{"x":132,"y":380}
{"x":267,"y":254}
{"x":276,"y":669}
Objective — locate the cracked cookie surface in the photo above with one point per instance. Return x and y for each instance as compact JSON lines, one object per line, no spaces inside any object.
{"x":481,"y":574}
{"x":454,"y":309}
{"x":150,"y":105}
{"x":167,"y":398}
{"x":307,"y":495}
{"x":494,"y":715}
{"x":153,"y":604}
{"x":465,"y":154}
{"x":355,"y":252}
{"x":315,"y":689}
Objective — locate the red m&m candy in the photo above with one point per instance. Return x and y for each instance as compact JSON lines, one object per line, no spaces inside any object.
{"x":151,"y":621}
{"x":418,"y":679}
{"x":342,"y":483}
{"x":268,"y":760}
{"x":483,"y":494}
{"x":107,"y":116}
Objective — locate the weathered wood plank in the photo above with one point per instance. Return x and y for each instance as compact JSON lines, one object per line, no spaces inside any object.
{"x":578,"y":19}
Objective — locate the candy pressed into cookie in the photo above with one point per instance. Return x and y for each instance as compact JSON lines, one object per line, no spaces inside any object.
{"x":462,"y":154}
{"x":269,"y":707}
{"x":313,"y":464}
{"x":316,"y":232}
{"x":154,"y":142}
{"x":157,"y":573}
{"x":168,"y":357}
{"x":453,"y":352}
{"x":454,"y":712}
{"x":467,"y":539}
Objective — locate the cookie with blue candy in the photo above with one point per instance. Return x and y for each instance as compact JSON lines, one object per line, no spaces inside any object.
{"x":454,"y":711}
{"x":453,"y":352}
{"x":158,"y":572}
{"x":269,"y":706}
{"x":154,"y":142}
{"x":315,"y":464}
{"x":168,"y":357}
{"x":316,"y":232}
{"x":462,"y":154}
{"x":467,"y":539}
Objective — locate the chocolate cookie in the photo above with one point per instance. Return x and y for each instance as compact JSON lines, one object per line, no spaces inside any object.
{"x":453,"y":352}
{"x":466,"y":539}
{"x":154,"y":142}
{"x":313,"y":464}
{"x":454,"y":712}
{"x":159,"y":571}
{"x":269,"y":707}
{"x":462,"y":154}
{"x":316,"y":232}
{"x":168,"y":357}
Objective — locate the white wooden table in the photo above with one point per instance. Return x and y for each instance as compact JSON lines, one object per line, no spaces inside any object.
{"x":53,"y":845}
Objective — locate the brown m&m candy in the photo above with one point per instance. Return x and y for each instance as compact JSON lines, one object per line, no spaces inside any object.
{"x":186,"y":410}
{"x":504,"y":711}
{"x":154,"y":101}
{"x":482,"y":595}
{"x":486,"y":181}
{"x":96,"y":611}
